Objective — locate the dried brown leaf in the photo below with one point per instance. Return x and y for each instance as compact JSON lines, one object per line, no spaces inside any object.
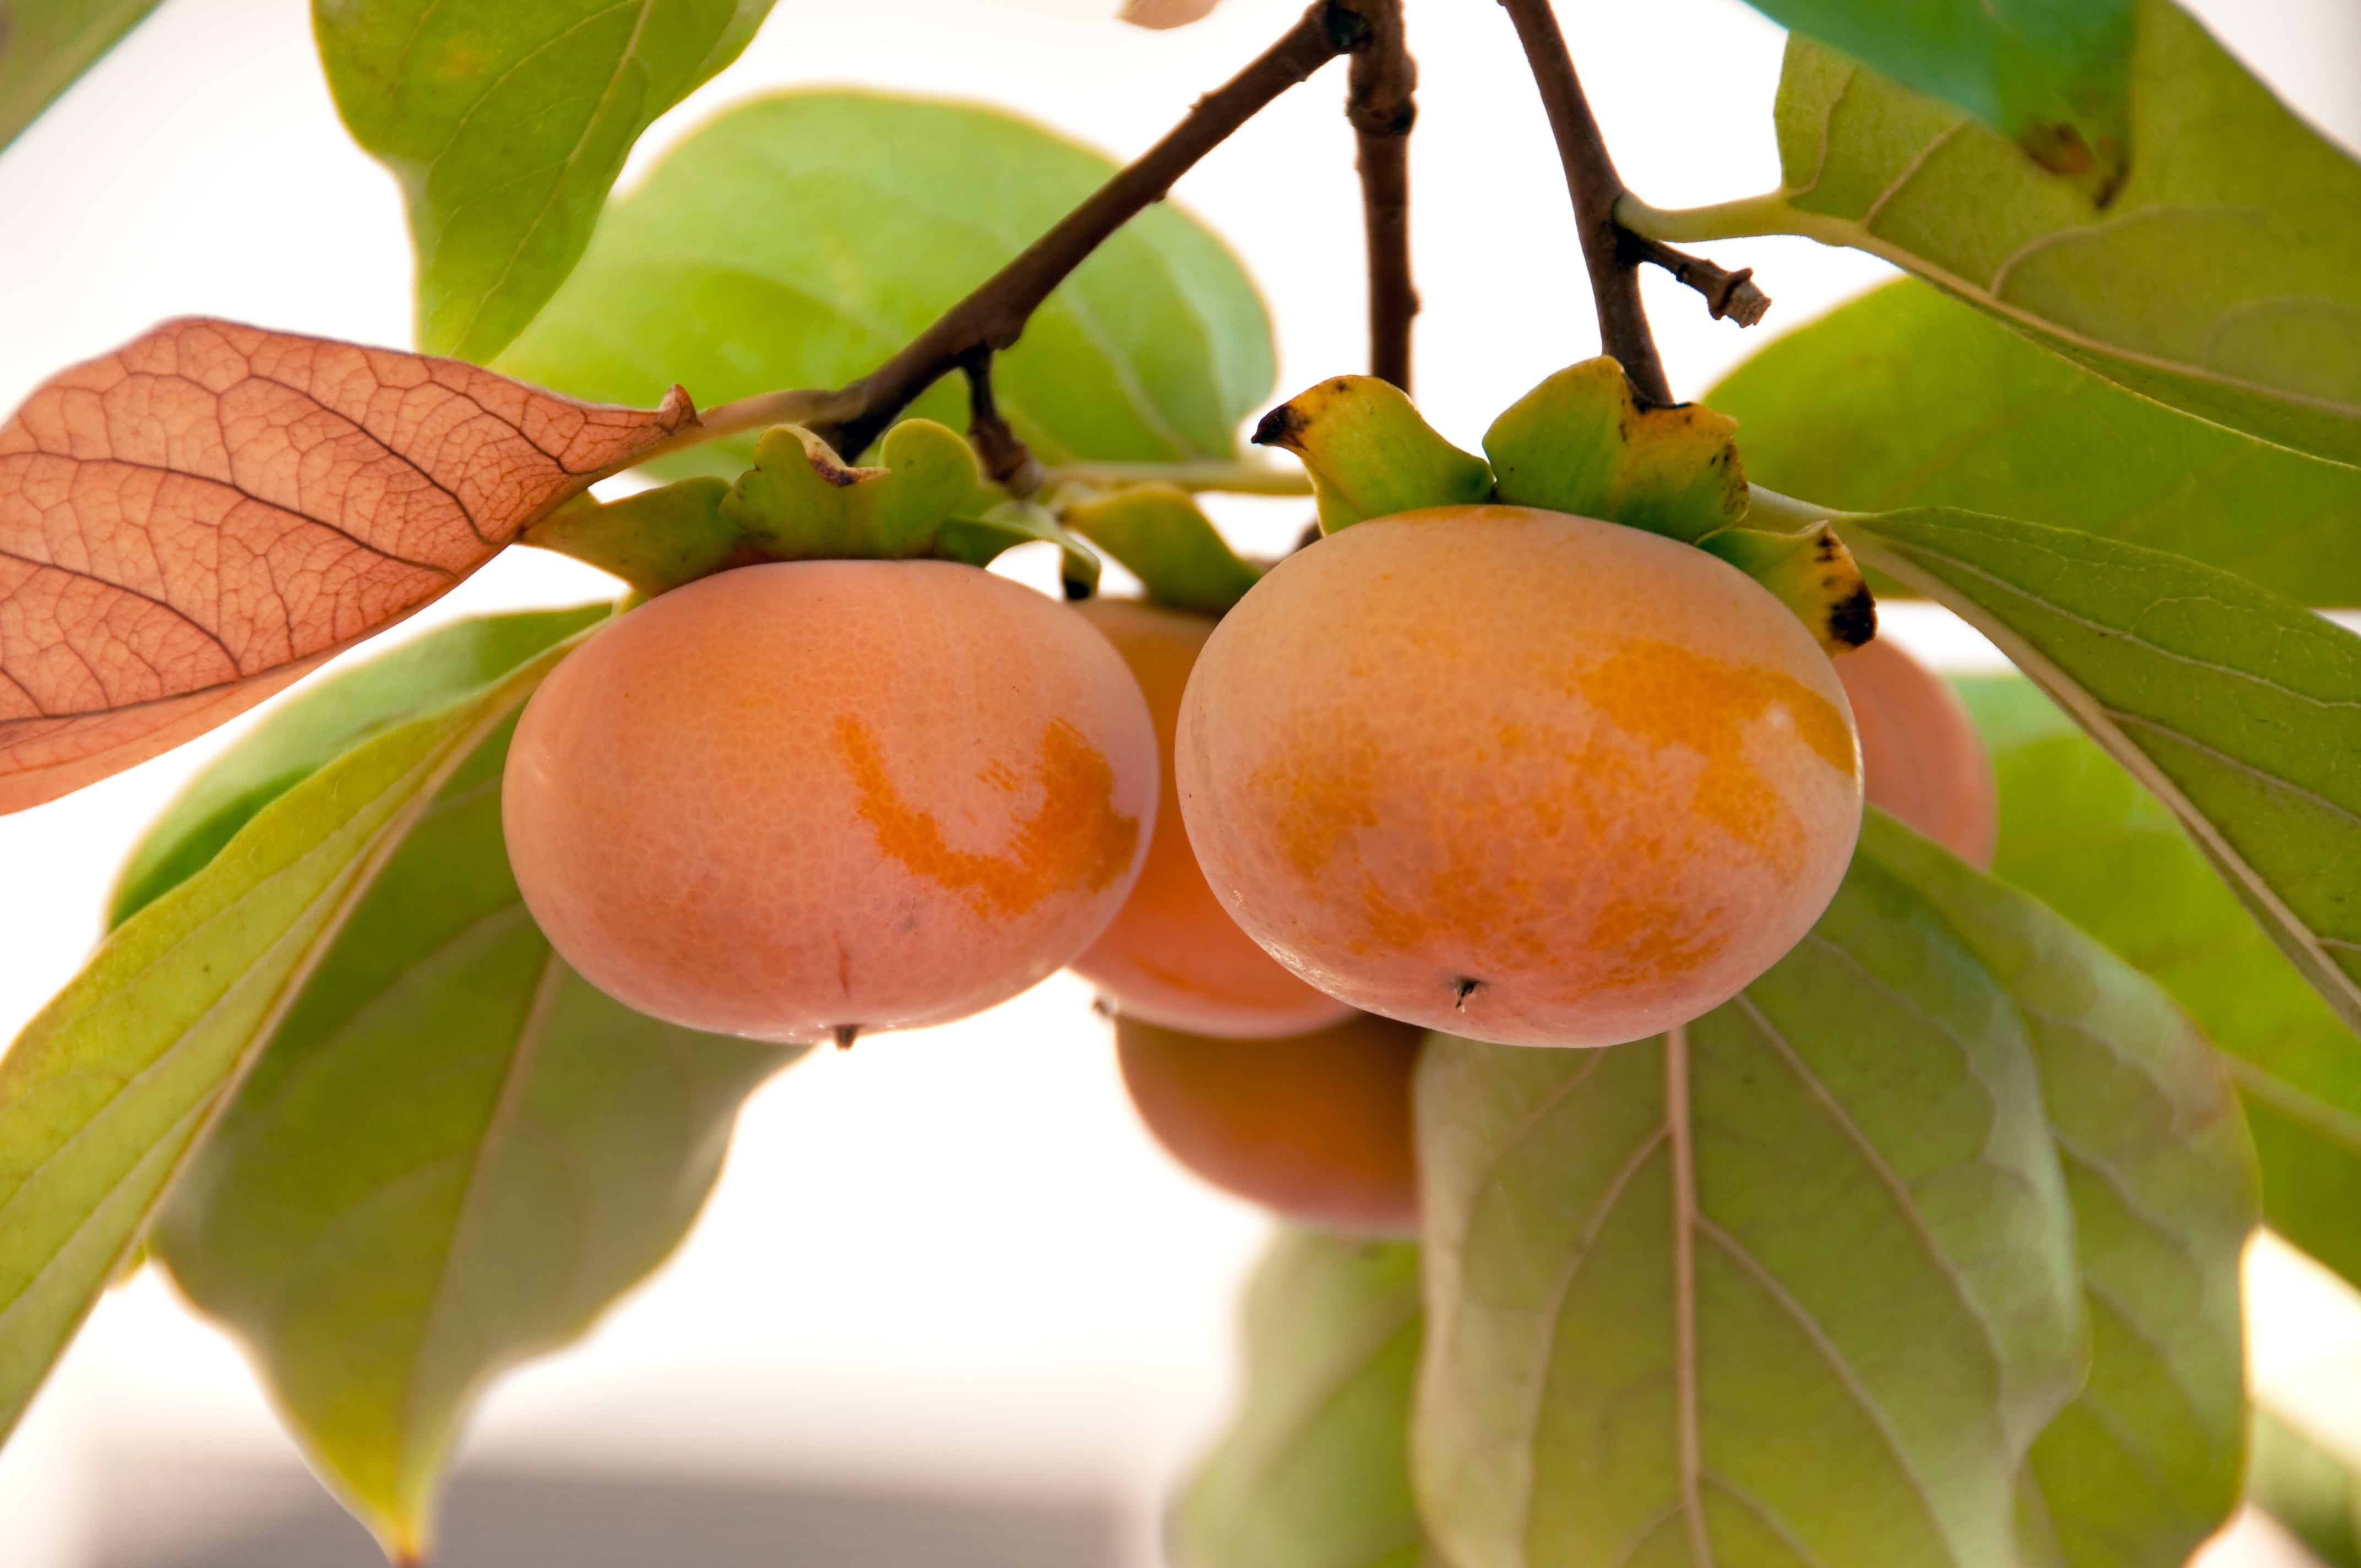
{"x":197,"y":519}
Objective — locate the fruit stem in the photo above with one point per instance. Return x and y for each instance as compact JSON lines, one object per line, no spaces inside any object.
{"x":1592,"y":182}
{"x":1382,"y":110}
{"x":1006,"y":460}
{"x":995,"y":316}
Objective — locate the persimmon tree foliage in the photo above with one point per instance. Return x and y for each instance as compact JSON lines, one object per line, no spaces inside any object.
{"x":1679,"y":1161}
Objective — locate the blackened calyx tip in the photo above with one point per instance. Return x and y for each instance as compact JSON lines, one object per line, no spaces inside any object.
{"x":1283,"y":426}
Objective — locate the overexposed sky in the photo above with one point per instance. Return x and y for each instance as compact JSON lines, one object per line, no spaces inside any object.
{"x":951,"y":1255}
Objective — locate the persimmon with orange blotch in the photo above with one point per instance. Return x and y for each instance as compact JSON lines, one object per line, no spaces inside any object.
{"x":823,"y":797}
{"x":1921,"y":758}
{"x":1316,"y":1127}
{"x":1173,"y":956}
{"x":1526,"y":777}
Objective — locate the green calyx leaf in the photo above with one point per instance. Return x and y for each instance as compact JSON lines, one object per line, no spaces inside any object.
{"x":1811,"y":572}
{"x":802,"y":502}
{"x":1580,"y":443}
{"x":2308,"y":1487}
{"x":1370,"y":454}
{"x":1163,"y":538}
{"x":979,"y":540}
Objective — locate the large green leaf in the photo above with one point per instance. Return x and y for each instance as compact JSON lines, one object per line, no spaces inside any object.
{"x":802,"y":239}
{"x":2240,"y":710}
{"x":1907,"y":397}
{"x":320,"y":723}
{"x":46,"y":44}
{"x":453,"y":1154}
{"x":1314,"y":1471}
{"x":2308,"y":1488}
{"x":2148,"y":1460}
{"x":2055,"y":77}
{"x":2224,"y":278}
{"x":2079,"y":833}
{"x":110,"y":1085}
{"x":1793,"y":1285}
{"x":506,"y":125}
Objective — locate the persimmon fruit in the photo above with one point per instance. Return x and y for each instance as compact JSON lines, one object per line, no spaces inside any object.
{"x":1316,"y":1127}
{"x":1173,"y":956}
{"x":1522,"y":776}
{"x":1921,"y":758}
{"x":816,"y":799}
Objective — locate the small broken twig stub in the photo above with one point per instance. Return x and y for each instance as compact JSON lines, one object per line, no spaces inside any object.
{"x":1727,"y":293}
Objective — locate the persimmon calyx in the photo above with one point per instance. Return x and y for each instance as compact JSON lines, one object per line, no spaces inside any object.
{"x":1369,"y":452}
{"x":1580,"y":443}
{"x":1812,"y":573}
{"x":1163,"y":538}
{"x":926,"y":497}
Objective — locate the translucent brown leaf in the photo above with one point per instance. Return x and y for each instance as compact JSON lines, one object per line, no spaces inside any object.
{"x":197,"y":519}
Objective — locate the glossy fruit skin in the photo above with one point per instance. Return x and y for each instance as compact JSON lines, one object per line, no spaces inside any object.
{"x":1316,"y":1127}
{"x":1921,"y":758}
{"x":793,"y":798}
{"x":1522,"y":776}
{"x":1173,"y":956}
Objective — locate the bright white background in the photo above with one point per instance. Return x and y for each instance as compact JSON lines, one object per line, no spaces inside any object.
{"x":949,"y":1258}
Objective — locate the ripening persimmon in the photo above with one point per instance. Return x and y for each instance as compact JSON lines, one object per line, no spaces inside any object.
{"x":1173,"y":956}
{"x":1921,"y":758}
{"x":1316,"y":1127}
{"x":1522,"y":776}
{"x":821,"y":797}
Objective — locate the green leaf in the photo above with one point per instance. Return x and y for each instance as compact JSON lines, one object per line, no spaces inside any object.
{"x":2240,"y":709}
{"x":2223,"y":279}
{"x":1792,"y":1285}
{"x":110,"y":1085}
{"x":2055,"y":78}
{"x":46,"y":44}
{"x":506,"y":125}
{"x":1163,"y":538}
{"x":802,"y":239}
{"x":2079,"y":833}
{"x":1906,"y":398}
{"x":1314,"y":1471}
{"x":980,"y":540}
{"x":2148,"y":1460}
{"x":455,"y":1154}
{"x":319,"y":724}
{"x":2308,"y":1489}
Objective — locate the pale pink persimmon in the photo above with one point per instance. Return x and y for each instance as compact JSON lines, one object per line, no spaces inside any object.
{"x":804,"y":799}
{"x":1316,"y":1127}
{"x":1526,"y":777}
{"x":1173,"y":955}
{"x":1921,"y":758}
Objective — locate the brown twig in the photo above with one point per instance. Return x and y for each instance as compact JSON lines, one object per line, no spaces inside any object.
{"x":1006,"y":460}
{"x":1382,"y":110}
{"x":1591,"y":181}
{"x":995,"y":316}
{"x":1732,"y":294}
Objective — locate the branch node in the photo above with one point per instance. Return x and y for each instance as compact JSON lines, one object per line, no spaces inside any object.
{"x":1006,"y":460}
{"x":1727,"y":293}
